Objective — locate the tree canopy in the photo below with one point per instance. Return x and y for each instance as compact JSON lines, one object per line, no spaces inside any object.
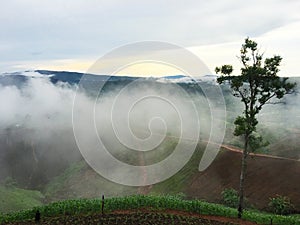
{"x":256,"y":86}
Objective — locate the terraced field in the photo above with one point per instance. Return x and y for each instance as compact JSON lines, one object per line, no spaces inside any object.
{"x":143,"y":217}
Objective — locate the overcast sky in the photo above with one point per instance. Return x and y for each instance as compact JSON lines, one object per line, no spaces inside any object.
{"x":72,"y":34}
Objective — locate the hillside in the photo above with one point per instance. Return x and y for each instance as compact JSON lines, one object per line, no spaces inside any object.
{"x":266,"y":177}
{"x":80,"y":181}
{"x":287,"y":146}
{"x":13,"y":199}
{"x":39,"y":151}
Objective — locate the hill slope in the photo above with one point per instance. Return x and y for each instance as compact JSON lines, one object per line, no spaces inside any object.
{"x":13,"y":199}
{"x":266,"y":177}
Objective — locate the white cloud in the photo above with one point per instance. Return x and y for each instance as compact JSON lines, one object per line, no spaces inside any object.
{"x":33,"y":30}
{"x":283,"y":41}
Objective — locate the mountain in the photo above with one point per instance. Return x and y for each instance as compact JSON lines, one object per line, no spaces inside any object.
{"x":177,"y":79}
{"x":21,"y":77}
{"x":188,"y":80}
{"x":18,"y":78}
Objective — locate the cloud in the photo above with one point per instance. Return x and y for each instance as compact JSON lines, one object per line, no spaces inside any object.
{"x":38,"y":120}
{"x":59,"y":30}
{"x":283,"y":41}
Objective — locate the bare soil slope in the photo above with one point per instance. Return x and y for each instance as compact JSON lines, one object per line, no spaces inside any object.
{"x":266,"y":177}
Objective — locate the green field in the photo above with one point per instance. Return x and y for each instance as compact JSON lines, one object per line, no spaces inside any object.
{"x":13,"y":199}
{"x":82,"y":208}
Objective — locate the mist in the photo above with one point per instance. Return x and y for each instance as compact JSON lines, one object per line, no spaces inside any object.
{"x":36,"y":131}
{"x":38,"y":122}
{"x":45,"y":127}
{"x":278,"y":124}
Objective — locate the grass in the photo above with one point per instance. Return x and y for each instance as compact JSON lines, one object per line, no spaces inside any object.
{"x":12,"y":199}
{"x":73,"y":183}
{"x":89,"y":206}
{"x":57,"y":183}
{"x":177,"y":183}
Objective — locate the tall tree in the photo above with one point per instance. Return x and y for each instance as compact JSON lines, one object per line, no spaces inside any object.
{"x":257,"y":84}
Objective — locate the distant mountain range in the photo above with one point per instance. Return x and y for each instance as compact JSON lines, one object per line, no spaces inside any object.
{"x":19,"y":78}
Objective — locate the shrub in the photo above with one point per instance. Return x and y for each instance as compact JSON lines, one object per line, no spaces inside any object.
{"x":230,"y":197}
{"x":281,"y":205}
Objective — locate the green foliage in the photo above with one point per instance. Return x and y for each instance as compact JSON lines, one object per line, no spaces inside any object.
{"x":79,"y":181}
{"x":281,"y":205}
{"x":225,"y":69}
{"x":257,"y":84}
{"x":82,"y":207}
{"x":13,"y":199}
{"x":57,"y":183}
{"x":177,"y":183}
{"x":139,"y":217}
{"x":265,"y":218}
{"x":230,"y":197}
{"x":256,"y":142}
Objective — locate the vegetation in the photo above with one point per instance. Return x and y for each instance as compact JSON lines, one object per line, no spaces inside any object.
{"x":58,"y":182}
{"x":230,"y":197}
{"x":79,"y":209}
{"x":281,"y":205}
{"x":12,"y":199}
{"x":129,"y":218}
{"x":177,"y":183}
{"x":257,"y":84}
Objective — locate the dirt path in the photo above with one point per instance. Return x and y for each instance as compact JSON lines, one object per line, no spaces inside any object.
{"x":235,"y":149}
{"x":144,"y":190}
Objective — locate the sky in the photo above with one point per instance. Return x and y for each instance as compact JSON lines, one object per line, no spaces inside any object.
{"x":73,"y":34}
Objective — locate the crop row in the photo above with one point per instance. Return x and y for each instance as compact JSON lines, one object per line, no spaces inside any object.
{"x":89,"y":206}
{"x":141,"y":218}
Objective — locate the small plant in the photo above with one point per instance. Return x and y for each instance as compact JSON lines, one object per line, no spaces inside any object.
{"x":180,"y":196}
{"x":230,"y":197}
{"x":281,"y":205}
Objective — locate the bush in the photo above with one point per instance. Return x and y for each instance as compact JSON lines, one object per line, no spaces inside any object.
{"x":230,"y":197}
{"x":281,"y":205}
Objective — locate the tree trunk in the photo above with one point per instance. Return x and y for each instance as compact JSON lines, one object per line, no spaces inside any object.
{"x":242,"y":177}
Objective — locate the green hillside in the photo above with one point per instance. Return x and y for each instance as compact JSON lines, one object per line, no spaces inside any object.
{"x":80,"y":181}
{"x":14,"y":199}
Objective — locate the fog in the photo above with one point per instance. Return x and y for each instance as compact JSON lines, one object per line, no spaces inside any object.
{"x":45,"y":127}
{"x":36,"y":131}
{"x":38,"y":123}
{"x":278,"y":124}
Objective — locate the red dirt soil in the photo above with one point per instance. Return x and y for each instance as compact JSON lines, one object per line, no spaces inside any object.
{"x":266,"y":177}
{"x":188,"y":214}
{"x":140,"y":216}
